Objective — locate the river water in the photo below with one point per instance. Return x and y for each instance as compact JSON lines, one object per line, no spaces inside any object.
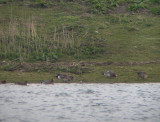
{"x":80,"y":103}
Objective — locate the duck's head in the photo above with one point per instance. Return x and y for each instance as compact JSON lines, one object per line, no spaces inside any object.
{"x":114,"y":75}
{"x":57,"y":75}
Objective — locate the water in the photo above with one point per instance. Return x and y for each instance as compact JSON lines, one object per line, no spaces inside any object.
{"x":80,"y":103}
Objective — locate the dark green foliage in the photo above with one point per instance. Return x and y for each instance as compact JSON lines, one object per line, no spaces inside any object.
{"x":8,"y":67}
{"x":137,"y":6}
{"x":155,"y":1}
{"x":3,"y":1}
{"x":91,"y":50}
{"x":10,"y":56}
{"x":101,"y":6}
{"x":42,"y":3}
{"x":43,"y":56}
{"x":97,"y":6}
{"x":155,"y":10}
{"x":148,"y":25}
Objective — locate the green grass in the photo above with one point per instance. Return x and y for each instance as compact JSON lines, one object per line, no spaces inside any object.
{"x":126,"y":74}
{"x":78,"y":31}
{"x":31,"y":77}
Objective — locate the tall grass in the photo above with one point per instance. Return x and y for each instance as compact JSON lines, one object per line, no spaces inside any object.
{"x":21,"y":41}
{"x":25,"y":37}
{"x":45,"y":34}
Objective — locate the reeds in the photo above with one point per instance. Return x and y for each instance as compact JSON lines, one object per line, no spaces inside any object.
{"x":21,"y":40}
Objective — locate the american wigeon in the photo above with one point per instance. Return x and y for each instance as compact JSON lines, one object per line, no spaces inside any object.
{"x":48,"y":82}
{"x":3,"y":82}
{"x":64,"y":77}
{"x":110,"y":73}
{"x":142,"y":75}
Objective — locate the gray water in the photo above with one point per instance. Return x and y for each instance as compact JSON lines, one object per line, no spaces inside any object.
{"x":80,"y":103}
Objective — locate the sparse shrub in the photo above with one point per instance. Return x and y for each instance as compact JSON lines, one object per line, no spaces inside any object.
{"x":91,"y":50}
{"x":97,"y":6}
{"x":148,"y":25}
{"x":155,"y":1}
{"x":42,"y":3}
{"x":50,"y":56}
{"x":155,"y":10}
{"x":8,"y":67}
{"x":3,"y":1}
{"x":137,"y":6}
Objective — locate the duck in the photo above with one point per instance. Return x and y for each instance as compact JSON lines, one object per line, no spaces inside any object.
{"x":3,"y":82}
{"x":21,"y":83}
{"x":80,"y":81}
{"x":48,"y":82}
{"x":110,"y":73}
{"x":142,"y":75}
{"x":64,"y":77}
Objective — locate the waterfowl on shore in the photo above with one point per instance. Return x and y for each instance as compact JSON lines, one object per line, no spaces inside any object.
{"x":3,"y":82}
{"x":64,"y":77}
{"x":110,"y":73}
{"x":48,"y":82}
{"x":142,"y":75}
{"x":80,"y":81}
{"x":21,"y":83}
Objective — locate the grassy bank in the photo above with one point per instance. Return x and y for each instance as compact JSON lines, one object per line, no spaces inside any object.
{"x":56,"y":37}
{"x":90,"y":72}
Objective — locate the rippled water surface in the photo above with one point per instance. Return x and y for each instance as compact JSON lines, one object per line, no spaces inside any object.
{"x":80,"y":103}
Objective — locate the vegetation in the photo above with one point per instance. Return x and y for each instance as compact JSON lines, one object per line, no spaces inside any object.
{"x":155,"y":10}
{"x":39,"y":36}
